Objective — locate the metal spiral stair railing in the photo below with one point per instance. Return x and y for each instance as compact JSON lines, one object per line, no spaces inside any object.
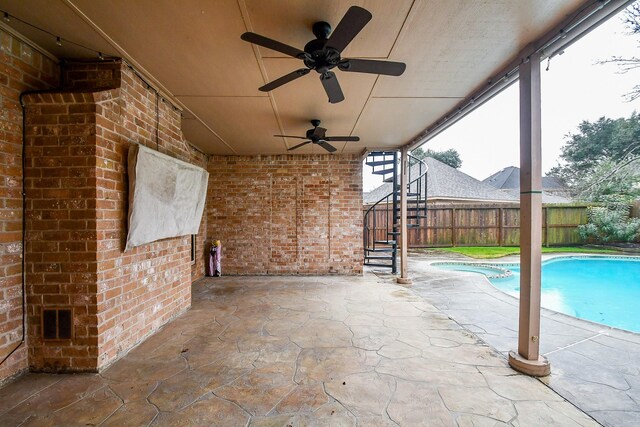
{"x":382,"y":219}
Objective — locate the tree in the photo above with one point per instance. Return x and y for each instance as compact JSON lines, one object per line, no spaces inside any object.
{"x":610,"y":223}
{"x":611,"y":179}
{"x":632,"y":22}
{"x":449,"y":157}
{"x":602,"y":158}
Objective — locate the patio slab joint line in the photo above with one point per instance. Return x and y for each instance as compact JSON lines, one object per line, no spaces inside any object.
{"x":599,"y":334}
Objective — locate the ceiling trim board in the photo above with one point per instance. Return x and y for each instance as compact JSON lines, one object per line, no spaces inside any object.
{"x":369,"y":149}
{"x":395,"y":42}
{"x":244,"y":11}
{"x":576,"y":25}
{"x":402,"y":28}
{"x":355,"y":124}
{"x":121,"y":51}
{"x":132,"y":62}
{"x":219,"y":96}
{"x":373,"y":87}
{"x":417,"y":97}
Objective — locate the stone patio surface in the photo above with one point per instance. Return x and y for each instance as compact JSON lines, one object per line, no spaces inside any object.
{"x":595,"y":367}
{"x":298,"y":351}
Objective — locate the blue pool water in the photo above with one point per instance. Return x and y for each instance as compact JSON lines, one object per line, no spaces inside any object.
{"x":603,"y":290}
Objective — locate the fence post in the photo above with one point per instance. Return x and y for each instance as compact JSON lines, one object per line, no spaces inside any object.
{"x":546,"y":226}
{"x":453,"y":227}
{"x":499,"y":226}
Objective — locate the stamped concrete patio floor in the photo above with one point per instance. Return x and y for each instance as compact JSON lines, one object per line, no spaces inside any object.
{"x":595,"y":367}
{"x":297,"y":351}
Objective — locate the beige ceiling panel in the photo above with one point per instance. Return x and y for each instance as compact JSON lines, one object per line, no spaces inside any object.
{"x":391,"y":122}
{"x":199,"y":136}
{"x":193,"y":49}
{"x":304,"y":99}
{"x":450,"y":46}
{"x":192,"y":46}
{"x":59,"y":19}
{"x":247,"y":124}
{"x":290,"y":22}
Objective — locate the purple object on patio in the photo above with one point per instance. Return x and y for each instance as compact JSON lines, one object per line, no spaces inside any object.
{"x":215,"y":253}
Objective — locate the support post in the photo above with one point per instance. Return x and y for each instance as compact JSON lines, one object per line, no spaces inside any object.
{"x":404,"y":238}
{"x":528,"y":359}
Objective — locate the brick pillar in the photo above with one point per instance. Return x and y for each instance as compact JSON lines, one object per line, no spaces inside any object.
{"x":77,"y":144}
{"x":61,"y":227}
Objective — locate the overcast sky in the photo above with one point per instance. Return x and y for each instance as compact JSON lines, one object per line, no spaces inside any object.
{"x":575,"y":88}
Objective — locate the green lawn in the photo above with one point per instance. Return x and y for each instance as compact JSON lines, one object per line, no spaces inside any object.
{"x":497,"y":252}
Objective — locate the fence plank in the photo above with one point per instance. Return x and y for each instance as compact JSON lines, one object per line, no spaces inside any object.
{"x":484,"y":225}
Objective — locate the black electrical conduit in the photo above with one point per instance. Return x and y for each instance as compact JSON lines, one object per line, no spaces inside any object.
{"x":24,"y":229}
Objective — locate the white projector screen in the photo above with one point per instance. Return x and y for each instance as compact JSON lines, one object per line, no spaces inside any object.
{"x":166,"y":196}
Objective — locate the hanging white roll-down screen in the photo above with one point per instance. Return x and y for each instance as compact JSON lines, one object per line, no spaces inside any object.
{"x":166,"y":196}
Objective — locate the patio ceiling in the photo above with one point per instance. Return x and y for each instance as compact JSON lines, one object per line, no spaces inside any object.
{"x":192,"y":51}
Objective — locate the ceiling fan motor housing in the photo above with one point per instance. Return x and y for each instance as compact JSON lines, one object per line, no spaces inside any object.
{"x":310,"y":134}
{"x":321,"y":57}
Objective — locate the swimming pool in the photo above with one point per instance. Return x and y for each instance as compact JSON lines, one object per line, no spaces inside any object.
{"x":601,"y":289}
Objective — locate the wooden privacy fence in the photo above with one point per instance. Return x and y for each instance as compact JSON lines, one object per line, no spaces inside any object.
{"x":485,"y":225}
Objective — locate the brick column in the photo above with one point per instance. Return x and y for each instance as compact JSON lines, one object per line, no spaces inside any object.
{"x":61,"y":227}
{"x":77,"y":144}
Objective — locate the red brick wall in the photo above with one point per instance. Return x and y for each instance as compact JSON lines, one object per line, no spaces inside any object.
{"x":289,"y":214}
{"x":21,"y":69}
{"x":198,"y":268}
{"x":143,"y":288}
{"x":119,"y":298}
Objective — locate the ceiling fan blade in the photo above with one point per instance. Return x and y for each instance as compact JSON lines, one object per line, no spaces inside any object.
{"x":299,"y":145}
{"x":330,"y":148}
{"x":319,"y":132}
{"x":342,"y":138}
{"x":272,"y":44}
{"x":291,"y":136}
{"x":351,"y":24}
{"x":332,"y":87}
{"x":284,"y":79}
{"x":388,"y":68}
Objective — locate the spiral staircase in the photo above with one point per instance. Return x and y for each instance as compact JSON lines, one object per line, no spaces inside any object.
{"x":382,"y":218}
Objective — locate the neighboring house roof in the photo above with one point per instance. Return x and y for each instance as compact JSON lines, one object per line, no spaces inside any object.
{"x":509,"y":178}
{"x":447,"y":183}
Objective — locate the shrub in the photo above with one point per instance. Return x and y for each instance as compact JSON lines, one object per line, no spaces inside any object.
{"x":610,"y":223}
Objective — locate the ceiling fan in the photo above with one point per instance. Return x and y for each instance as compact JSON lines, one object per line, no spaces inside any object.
{"x":317,"y":136}
{"x":323,"y":54}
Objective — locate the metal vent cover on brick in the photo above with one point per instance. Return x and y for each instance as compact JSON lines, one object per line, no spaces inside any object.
{"x":57,"y":323}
